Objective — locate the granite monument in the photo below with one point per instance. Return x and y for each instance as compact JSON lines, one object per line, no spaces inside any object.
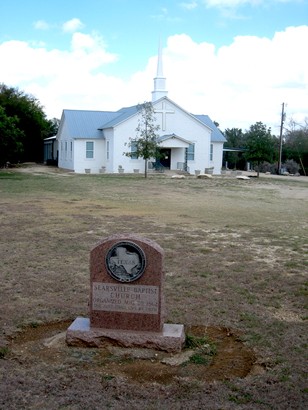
{"x":127,"y":304}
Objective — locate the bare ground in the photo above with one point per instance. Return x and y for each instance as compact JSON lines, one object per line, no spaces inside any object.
{"x":235,"y":261}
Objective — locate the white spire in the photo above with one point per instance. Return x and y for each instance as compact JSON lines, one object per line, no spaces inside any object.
{"x":159,"y":81}
{"x":159,"y":62}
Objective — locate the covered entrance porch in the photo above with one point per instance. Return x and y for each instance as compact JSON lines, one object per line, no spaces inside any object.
{"x":172,"y":153}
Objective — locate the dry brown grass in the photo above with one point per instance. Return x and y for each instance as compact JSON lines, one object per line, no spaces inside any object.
{"x":235,"y":257}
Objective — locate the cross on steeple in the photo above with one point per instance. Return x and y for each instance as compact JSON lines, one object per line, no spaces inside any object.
{"x":164,"y":111}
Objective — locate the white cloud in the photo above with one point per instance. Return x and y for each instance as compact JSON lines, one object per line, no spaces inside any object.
{"x":243,"y":83}
{"x":164,"y":16}
{"x":237,"y":85}
{"x":230,"y":3}
{"x":72,"y":25}
{"x":41,"y":25}
{"x":59,"y":79}
{"x":238,"y":3}
{"x":189,"y":5}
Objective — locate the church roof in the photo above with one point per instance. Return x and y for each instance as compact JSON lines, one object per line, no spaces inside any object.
{"x":217,"y":135}
{"x":86,"y":124}
{"x":89,"y":124}
{"x":120,"y":116}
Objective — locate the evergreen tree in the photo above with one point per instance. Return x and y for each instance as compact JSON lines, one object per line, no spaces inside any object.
{"x":11,"y":138}
{"x":259,"y":144}
{"x":31,"y":121}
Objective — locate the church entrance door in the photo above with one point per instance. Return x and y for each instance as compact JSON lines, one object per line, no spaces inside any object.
{"x":165,"y":157}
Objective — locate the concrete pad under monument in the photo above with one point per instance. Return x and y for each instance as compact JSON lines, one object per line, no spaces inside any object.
{"x":127,"y":305}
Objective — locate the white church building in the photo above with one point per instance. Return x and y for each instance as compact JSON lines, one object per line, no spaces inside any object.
{"x":96,"y":141}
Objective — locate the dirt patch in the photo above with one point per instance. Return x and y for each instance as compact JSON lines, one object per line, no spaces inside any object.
{"x":221,"y":355}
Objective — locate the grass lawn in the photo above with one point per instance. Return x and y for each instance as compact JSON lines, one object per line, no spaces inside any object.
{"x":235,"y":257}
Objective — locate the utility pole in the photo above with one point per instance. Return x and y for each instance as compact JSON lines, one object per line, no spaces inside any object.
{"x":280,"y":139}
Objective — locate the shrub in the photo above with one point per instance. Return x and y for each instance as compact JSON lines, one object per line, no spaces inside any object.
{"x":267,"y":167}
{"x":291,"y":166}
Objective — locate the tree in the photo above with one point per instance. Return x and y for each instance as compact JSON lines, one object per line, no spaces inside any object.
{"x":53,"y":127}
{"x":259,"y":144}
{"x":235,"y":140}
{"x":11,"y":137}
{"x":31,"y":121}
{"x":296,"y":144}
{"x":145,"y":145}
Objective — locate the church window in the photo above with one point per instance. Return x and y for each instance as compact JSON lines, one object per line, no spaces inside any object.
{"x":89,"y":149}
{"x":211,"y":152}
{"x":71,"y":149}
{"x":133,"y":149}
{"x":191,"y":152}
{"x":65,"y":150}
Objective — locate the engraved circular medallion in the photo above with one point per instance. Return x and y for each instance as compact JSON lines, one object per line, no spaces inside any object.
{"x":125,"y":262}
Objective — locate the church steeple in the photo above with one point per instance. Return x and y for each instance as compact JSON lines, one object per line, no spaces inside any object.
{"x":159,"y":81}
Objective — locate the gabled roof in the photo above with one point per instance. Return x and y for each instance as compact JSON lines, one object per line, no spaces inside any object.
{"x":217,"y":135}
{"x":120,"y":116}
{"x":168,"y":136}
{"x":89,"y":124}
{"x":86,"y":124}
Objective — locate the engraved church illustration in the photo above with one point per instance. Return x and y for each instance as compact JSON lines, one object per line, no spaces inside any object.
{"x":95,"y":141}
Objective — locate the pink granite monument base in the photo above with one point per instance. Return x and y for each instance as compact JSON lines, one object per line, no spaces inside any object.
{"x":127,"y":304}
{"x":170,"y":339}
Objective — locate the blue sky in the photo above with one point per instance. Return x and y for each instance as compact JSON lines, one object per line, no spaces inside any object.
{"x":101,"y":54}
